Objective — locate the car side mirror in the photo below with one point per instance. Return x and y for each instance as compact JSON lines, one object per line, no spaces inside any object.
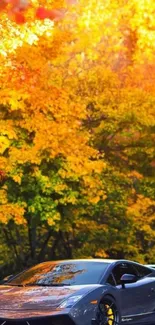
{"x":128,"y":278}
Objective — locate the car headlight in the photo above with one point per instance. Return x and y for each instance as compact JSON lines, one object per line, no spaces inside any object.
{"x":69,"y":302}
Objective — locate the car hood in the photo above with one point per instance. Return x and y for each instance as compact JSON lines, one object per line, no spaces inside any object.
{"x":29,"y":299}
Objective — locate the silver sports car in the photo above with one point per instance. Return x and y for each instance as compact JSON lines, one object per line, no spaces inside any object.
{"x":80,"y":292}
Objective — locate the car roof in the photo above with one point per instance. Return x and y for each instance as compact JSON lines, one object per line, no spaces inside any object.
{"x":94,"y":260}
{"x":150,"y":265}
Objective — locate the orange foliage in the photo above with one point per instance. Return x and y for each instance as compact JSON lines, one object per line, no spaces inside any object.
{"x":19,"y":10}
{"x":81,"y":90}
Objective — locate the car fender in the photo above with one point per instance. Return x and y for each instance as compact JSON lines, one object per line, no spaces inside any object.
{"x":85,"y":309}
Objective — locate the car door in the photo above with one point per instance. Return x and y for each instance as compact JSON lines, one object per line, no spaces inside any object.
{"x":133,"y":298}
{"x":147,"y":276}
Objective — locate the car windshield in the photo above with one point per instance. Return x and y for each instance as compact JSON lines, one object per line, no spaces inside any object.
{"x":61,"y":273}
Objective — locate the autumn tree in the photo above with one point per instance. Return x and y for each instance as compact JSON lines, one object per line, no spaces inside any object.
{"x":77,"y":132}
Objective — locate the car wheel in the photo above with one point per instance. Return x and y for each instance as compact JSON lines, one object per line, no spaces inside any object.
{"x":108,"y":313}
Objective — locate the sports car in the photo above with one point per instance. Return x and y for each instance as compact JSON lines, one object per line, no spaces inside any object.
{"x":80,"y":292}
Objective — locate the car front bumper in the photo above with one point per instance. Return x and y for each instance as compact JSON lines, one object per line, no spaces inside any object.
{"x":59,"y":319}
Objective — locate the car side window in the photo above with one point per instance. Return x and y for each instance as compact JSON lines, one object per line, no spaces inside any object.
{"x":142,"y":270}
{"x":111,"y":280}
{"x":122,"y":268}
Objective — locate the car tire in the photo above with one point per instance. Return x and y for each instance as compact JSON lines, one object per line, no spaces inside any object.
{"x":108,"y":313}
